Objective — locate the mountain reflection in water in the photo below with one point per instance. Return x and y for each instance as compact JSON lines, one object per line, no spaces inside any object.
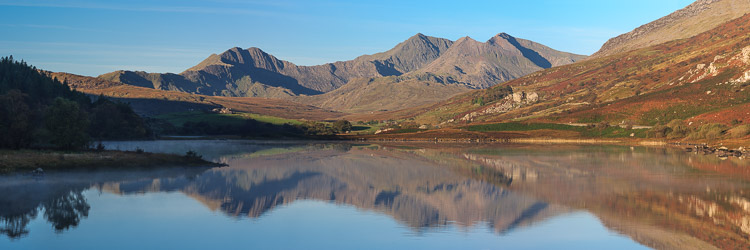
{"x":658,"y":198}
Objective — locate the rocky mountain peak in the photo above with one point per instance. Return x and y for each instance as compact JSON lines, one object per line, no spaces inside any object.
{"x":502,"y":35}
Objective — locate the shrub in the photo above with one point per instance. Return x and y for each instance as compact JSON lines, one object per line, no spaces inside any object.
{"x":342,"y":126}
{"x":602,"y":125}
{"x":659,"y":131}
{"x":679,"y":129}
{"x":100,"y":147}
{"x":739,"y":131}
{"x":192,"y":155}
{"x":478,"y":101}
{"x":708,"y":131}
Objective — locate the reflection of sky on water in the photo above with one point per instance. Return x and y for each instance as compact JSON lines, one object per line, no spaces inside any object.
{"x":172,"y":220}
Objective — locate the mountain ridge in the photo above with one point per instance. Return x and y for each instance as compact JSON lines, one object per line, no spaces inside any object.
{"x":468,"y":64}
{"x":233,"y":72}
{"x":252,"y":72}
{"x":500,"y":59}
{"x":698,"y":17}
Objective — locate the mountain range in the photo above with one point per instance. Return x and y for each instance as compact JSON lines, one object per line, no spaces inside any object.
{"x":431,"y":68}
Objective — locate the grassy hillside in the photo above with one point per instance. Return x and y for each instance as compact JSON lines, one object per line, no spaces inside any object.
{"x":180,"y":118}
{"x":698,"y":17}
{"x":366,"y":95}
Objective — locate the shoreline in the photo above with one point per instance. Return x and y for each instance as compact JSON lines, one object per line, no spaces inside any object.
{"x":718,"y":148}
{"x":27,"y":160}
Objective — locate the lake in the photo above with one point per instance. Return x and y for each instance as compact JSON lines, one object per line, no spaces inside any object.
{"x":324,"y":195}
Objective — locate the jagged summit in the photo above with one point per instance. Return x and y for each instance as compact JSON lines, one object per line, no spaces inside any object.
{"x":502,"y":58}
{"x":502,"y":35}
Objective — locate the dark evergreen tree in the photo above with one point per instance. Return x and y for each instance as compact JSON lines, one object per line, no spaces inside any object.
{"x":15,"y":120}
{"x":67,"y":124}
{"x":37,"y":110}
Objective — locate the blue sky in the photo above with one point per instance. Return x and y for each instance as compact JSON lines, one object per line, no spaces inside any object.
{"x":94,"y":37}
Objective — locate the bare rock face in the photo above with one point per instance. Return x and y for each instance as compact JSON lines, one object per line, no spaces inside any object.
{"x":698,"y":17}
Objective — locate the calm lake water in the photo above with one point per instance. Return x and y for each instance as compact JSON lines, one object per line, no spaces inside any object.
{"x":318,"y":195}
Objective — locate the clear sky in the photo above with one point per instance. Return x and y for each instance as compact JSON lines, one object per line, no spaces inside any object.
{"x":91,"y":37}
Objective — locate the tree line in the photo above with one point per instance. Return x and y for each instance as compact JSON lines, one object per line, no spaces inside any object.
{"x":37,"y":111}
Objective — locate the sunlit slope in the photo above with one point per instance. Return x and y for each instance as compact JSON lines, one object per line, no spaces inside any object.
{"x":683,"y":79}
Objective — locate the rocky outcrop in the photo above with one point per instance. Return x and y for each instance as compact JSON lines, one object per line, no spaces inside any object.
{"x":510,"y":102}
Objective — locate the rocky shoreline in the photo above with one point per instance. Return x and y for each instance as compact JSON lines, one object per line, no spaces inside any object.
{"x":721,"y":152}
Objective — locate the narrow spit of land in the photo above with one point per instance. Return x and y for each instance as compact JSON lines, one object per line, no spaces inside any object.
{"x":30,"y":160}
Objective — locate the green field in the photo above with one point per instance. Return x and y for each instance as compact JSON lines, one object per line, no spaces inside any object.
{"x":609,"y":132}
{"x":178,"y":119}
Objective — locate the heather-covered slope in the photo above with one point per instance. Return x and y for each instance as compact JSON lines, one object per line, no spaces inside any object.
{"x":704,"y":78}
{"x":148,"y":101}
{"x":696,"y":18}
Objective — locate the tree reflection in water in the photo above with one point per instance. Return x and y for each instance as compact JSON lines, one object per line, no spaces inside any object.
{"x":66,"y":211}
{"x":59,"y":197}
{"x":14,"y":226}
{"x":63,"y":212}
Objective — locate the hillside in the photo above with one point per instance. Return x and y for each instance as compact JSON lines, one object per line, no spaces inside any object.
{"x":147,"y":101}
{"x":696,"y":18}
{"x":366,"y":95}
{"x":703,"y":79}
